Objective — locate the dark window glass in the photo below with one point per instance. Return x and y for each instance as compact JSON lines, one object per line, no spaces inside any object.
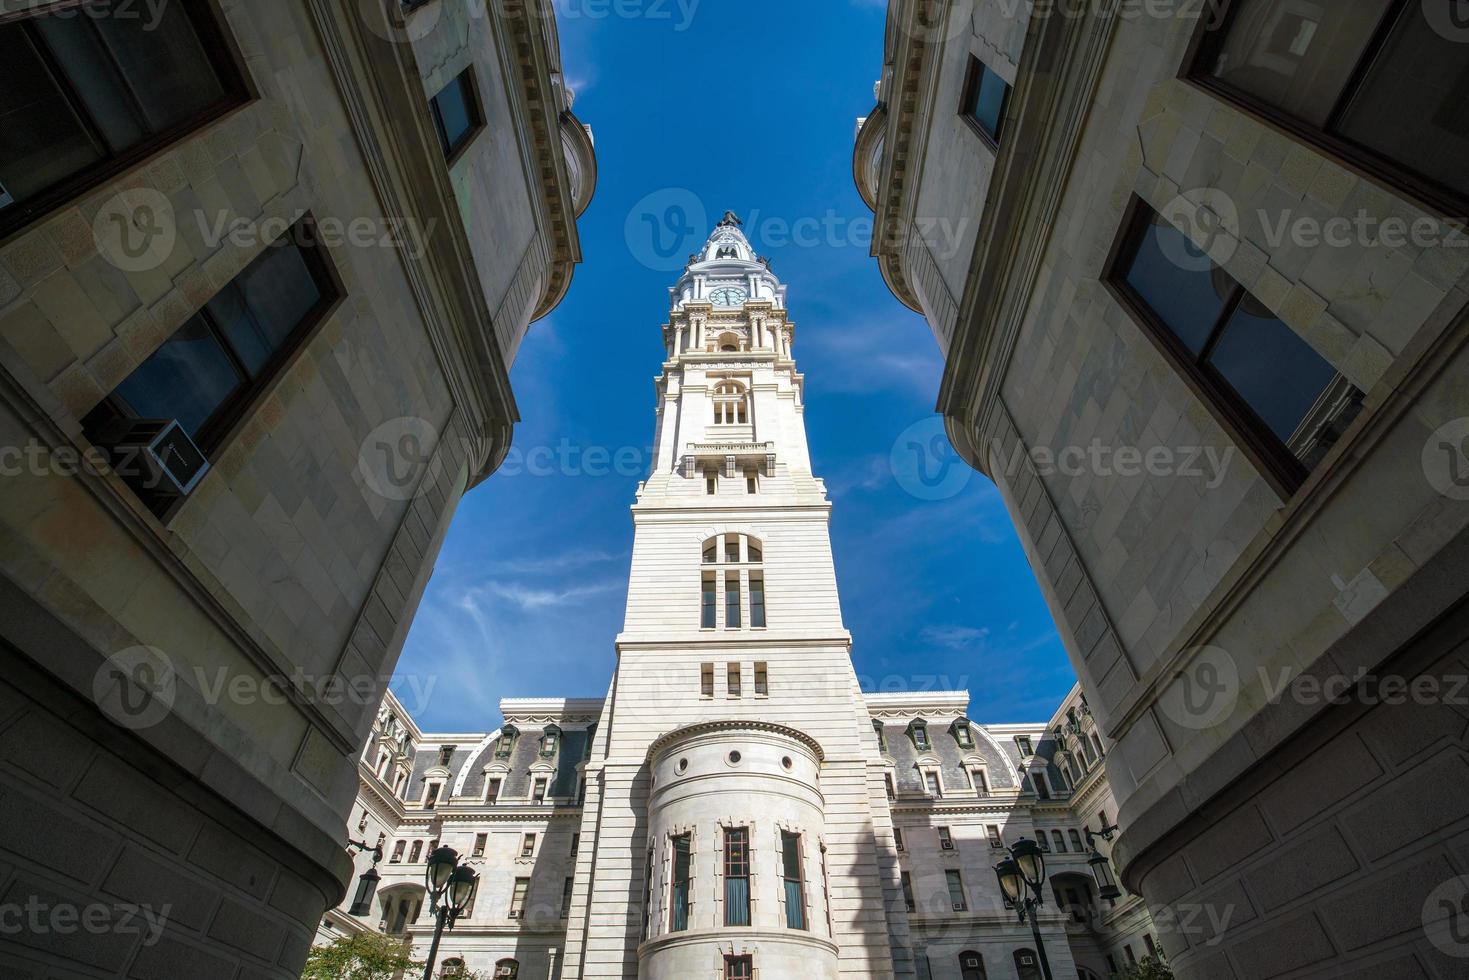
{"x":189,"y":378}
{"x":89,"y":91}
{"x":736,"y":876}
{"x":1383,"y":80}
{"x":1270,"y":366}
{"x":1290,"y":401}
{"x":456,"y":113}
{"x":757,"y":604}
{"x":1413,"y":104}
{"x":795,"y":892}
{"x":707,"y":618}
{"x":956,"y":891}
{"x":1297,"y":57}
{"x":908,"y":891}
{"x":732,"y":602}
{"x":1180,"y":283}
{"x":683,"y":865}
{"x":985,"y":98}
{"x":222,"y":355}
{"x":739,"y":968}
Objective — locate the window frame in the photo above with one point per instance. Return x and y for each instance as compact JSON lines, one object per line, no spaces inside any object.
{"x":468,"y":81}
{"x":973,"y":75}
{"x":737,"y":840}
{"x":218,"y":46}
{"x":219,"y":430}
{"x":1443,"y":202}
{"x":1270,"y":456}
{"x":952,"y":875}
{"x":674,"y":882}
{"x":744,"y":960}
{"x":798,"y":841}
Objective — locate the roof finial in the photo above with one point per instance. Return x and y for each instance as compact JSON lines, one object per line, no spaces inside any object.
{"x":731,"y":220}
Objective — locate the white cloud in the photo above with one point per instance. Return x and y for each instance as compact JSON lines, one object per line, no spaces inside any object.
{"x":954,"y":637}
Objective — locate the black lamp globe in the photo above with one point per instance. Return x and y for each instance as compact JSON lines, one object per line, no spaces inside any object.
{"x":366,"y":887}
{"x":1032,"y":861}
{"x":1012,"y":884}
{"x":1102,"y":872}
{"x":462,"y":885}
{"x":440,"y":868}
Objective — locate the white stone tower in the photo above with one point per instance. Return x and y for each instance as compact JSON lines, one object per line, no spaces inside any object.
{"x":736,"y":811}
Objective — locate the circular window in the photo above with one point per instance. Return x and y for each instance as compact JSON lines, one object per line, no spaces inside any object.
{"x":734,"y":758}
{"x":683,"y":765}
{"x":786,"y":762}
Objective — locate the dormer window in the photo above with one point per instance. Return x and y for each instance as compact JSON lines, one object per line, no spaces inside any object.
{"x":506,"y":741}
{"x":1023,"y":743}
{"x":446,"y":755}
{"x":918,"y":732}
{"x":550,"y":742}
{"x":962,"y":734}
{"x":882,"y":740}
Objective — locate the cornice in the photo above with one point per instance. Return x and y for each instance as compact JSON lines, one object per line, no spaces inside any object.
{"x":734,"y":725}
{"x":1059,"y":72}
{"x":382,"y":92}
{"x":530,"y":56}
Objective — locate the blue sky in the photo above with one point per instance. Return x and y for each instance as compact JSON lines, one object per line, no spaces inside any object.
{"x":707,"y":106}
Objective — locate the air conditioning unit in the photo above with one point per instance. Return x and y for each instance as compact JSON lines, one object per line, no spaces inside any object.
{"x":514,"y":913}
{"x":958,"y":906}
{"x":155,"y":457}
{"x":947,"y":845}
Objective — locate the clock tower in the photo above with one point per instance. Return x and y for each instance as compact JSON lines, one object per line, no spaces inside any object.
{"x":736,"y":807}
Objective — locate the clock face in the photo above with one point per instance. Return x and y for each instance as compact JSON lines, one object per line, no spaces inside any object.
{"x":728,"y":296}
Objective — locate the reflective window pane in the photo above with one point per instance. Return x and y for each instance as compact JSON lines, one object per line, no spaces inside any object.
{"x":1296,"y":55}
{"x":455,"y":112}
{"x":188,"y":379}
{"x":1277,"y":373}
{"x":279,"y":291}
{"x":42,"y":140}
{"x":1180,"y":283}
{"x":78,"y":51}
{"x":1414,"y":104}
{"x":164,"y":63}
{"x":987,"y":98}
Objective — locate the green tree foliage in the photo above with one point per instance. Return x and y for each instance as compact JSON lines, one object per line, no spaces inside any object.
{"x":363,"y":956}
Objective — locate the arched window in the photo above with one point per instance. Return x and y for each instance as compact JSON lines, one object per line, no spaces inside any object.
{"x":731,"y":566}
{"x":971,"y":965}
{"x":731,"y":403}
{"x":507,"y":970}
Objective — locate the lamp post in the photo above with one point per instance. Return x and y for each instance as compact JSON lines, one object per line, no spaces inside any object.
{"x":1022,"y":876}
{"x":367,"y":884}
{"x":1101,"y":867}
{"x":451,"y":887}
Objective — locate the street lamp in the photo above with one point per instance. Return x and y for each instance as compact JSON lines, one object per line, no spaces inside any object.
{"x":367,"y":884}
{"x":1101,"y":867}
{"x":1022,"y":877}
{"x":451,"y":887}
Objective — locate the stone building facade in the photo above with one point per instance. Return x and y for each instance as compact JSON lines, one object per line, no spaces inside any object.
{"x":263,"y":269}
{"x":737,"y":807}
{"x":1199,"y":273}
